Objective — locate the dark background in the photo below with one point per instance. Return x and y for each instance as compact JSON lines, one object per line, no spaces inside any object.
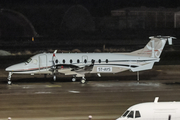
{"x":102,"y":6}
{"x":46,"y":17}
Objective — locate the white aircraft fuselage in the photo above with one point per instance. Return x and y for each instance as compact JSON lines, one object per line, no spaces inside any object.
{"x":104,"y":62}
{"x":153,"y":111}
{"x":78,"y":64}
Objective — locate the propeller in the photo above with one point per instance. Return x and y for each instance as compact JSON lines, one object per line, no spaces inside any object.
{"x":54,"y":64}
{"x":54,"y":58}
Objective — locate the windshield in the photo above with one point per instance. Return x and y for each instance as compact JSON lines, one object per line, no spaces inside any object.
{"x":130,"y":115}
{"x":29,"y":60}
{"x":125,"y":113}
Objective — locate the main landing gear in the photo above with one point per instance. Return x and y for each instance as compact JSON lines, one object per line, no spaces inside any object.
{"x":54,"y":77}
{"x":9,"y":78}
{"x":83,"y":80}
{"x":73,"y":79}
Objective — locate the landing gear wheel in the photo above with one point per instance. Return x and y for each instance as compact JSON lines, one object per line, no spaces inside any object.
{"x":73,"y":79}
{"x":9,"y":78}
{"x":83,"y":81}
{"x":9,"y":82}
{"x":45,"y":76}
{"x":54,"y":78}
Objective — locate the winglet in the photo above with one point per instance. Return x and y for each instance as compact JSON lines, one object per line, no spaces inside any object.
{"x":156,"y":99}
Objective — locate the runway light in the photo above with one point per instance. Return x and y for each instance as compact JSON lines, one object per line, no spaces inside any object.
{"x":32,"y":38}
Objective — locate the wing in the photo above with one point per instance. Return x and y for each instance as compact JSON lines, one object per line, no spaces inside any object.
{"x":70,"y":69}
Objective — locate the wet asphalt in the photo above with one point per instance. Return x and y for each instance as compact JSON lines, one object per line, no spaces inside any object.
{"x":103,"y":100}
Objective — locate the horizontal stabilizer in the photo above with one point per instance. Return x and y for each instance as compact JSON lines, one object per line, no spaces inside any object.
{"x":154,"y":47}
{"x":143,"y":67}
{"x":169,"y":38}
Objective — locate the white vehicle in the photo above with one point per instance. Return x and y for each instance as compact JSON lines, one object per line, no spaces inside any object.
{"x":78,"y":64}
{"x":153,"y":111}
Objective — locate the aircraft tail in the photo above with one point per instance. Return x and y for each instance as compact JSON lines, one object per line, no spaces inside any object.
{"x":154,"y":47}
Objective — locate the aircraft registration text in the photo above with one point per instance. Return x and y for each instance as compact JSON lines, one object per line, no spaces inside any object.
{"x":104,"y":69}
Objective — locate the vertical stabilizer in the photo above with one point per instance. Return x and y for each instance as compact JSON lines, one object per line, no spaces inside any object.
{"x":154,"y":47}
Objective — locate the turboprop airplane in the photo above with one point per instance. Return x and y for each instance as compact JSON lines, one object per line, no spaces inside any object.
{"x":153,"y":111}
{"x":79,"y":64}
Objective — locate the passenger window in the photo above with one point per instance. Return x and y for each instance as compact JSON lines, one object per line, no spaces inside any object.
{"x":124,"y":115}
{"x":137,"y":114}
{"x":106,"y":60}
{"x":78,"y":61}
{"x":99,"y":60}
{"x":29,"y":60}
{"x":131,"y":114}
{"x":71,"y":61}
{"x":85,"y":61}
{"x":63,"y":61}
{"x":56,"y":61}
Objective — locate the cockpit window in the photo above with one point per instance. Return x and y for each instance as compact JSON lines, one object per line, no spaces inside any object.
{"x":29,"y":60}
{"x":124,"y":115}
{"x":131,"y":114}
{"x":137,"y":114}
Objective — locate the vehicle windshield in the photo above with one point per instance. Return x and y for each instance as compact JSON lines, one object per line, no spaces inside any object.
{"x":125,"y":113}
{"x":29,"y":60}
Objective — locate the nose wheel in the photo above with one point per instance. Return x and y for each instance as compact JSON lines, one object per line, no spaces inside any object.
{"x":9,"y":82}
{"x":9,"y":78}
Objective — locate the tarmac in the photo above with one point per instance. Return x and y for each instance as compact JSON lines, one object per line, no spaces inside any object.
{"x":105,"y":98}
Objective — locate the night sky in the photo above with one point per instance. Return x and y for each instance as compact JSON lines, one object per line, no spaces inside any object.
{"x":46,"y":15}
{"x":99,"y":3}
{"x":96,"y":7}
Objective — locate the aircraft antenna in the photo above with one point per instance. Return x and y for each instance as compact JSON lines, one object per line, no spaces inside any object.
{"x":156,"y":99}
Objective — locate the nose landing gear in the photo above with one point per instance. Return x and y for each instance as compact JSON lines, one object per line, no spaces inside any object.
{"x":9,"y":78}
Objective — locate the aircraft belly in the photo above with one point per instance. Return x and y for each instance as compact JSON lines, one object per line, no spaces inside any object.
{"x":21,"y":72}
{"x":33,"y":72}
{"x":107,"y":69}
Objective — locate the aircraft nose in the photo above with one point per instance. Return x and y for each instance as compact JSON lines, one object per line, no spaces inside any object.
{"x":11,"y":68}
{"x":15,"y":67}
{"x":8,"y":69}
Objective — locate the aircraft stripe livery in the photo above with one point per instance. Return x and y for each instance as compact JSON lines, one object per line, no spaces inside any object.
{"x":153,"y":111}
{"x":79,"y":64}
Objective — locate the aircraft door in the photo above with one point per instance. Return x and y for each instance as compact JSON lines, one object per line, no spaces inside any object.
{"x":84,"y":59}
{"x":42,"y":62}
